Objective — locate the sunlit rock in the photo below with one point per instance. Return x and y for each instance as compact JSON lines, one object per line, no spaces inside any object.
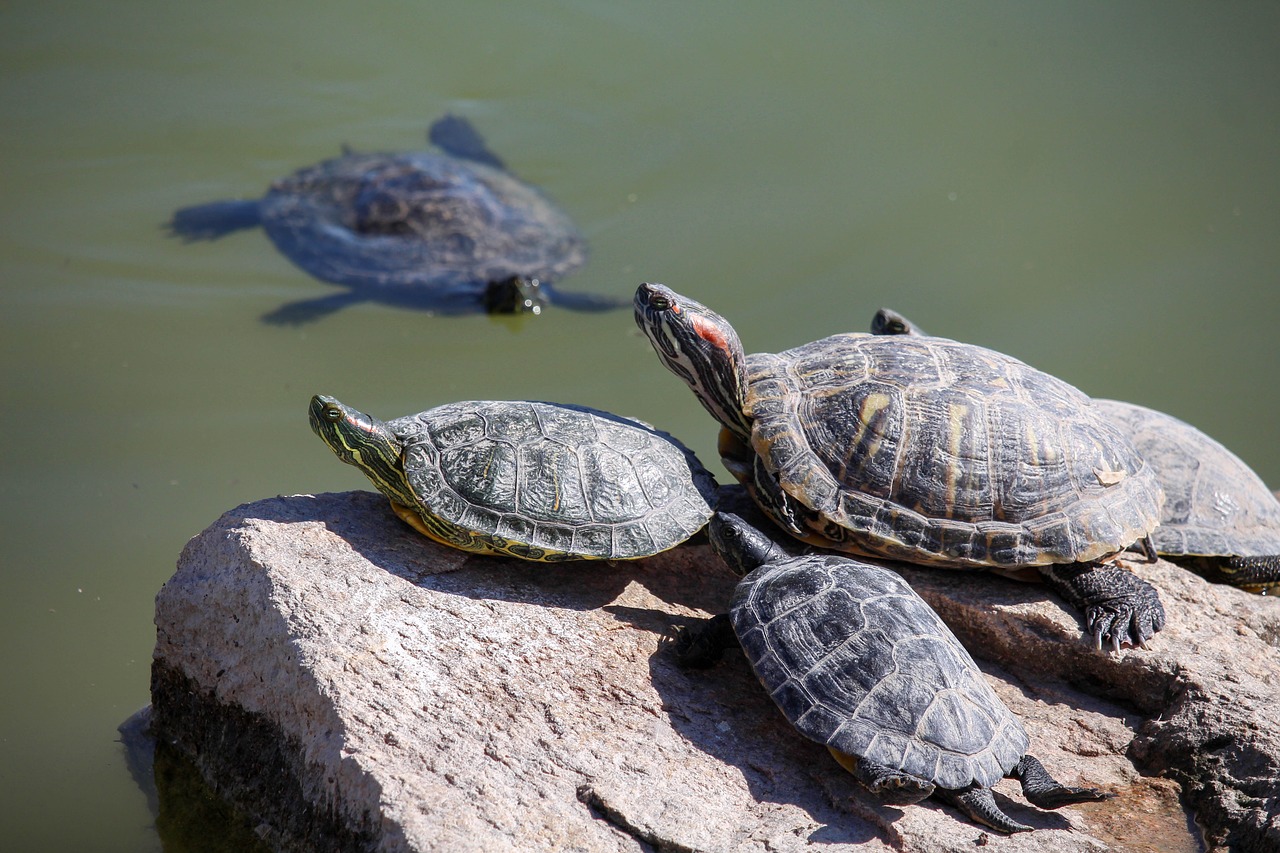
{"x":351,"y":685}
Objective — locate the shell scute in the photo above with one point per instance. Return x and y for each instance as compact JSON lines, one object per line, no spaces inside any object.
{"x":856,"y":660}
{"x":559,"y":480}
{"x":938,"y":441}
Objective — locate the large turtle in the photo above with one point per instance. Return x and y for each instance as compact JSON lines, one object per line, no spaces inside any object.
{"x":450,"y":232}
{"x":1219,"y":518}
{"x":926,"y":450}
{"x":539,"y":481}
{"x":857,"y":661}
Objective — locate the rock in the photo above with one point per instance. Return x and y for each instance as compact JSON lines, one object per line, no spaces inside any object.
{"x":353,"y":686}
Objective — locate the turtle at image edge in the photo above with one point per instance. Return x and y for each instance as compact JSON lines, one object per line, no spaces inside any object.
{"x":1219,"y":518}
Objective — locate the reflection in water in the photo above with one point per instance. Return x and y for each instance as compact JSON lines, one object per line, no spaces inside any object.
{"x":189,"y":816}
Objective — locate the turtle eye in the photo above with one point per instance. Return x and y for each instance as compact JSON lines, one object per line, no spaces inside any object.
{"x":659,"y":302}
{"x":332,"y":414}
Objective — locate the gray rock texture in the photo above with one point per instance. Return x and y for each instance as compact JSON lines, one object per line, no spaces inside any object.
{"x":353,"y":686}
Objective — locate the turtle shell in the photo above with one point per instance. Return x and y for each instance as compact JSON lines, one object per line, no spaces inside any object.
{"x":548,"y":481}
{"x":418,"y":220}
{"x":858,"y":661}
{"x":1215,"y":505}
{"x":934,"y":451}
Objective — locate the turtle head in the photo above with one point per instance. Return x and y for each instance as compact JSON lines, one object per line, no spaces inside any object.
{"x":743,"y":547}
{"x":699,"y":346}
{"x":363,"y":441}
{"x":890,"y":322}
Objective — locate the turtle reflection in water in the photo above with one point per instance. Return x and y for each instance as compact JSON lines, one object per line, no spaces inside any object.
{"x":1219,"y":518}
{"x":450,"y":232}
{"x":539,"y":481}
{"x":857,"y":661}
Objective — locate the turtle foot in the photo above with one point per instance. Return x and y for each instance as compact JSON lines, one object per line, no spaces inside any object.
{"x":1119,"y":607}
{"x":701,"y":645}
{"x":980,"y":805}
{"x":1044,"y":791}
{"x":892,"y":787}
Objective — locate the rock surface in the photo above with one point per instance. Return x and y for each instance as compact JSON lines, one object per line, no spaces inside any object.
{"x":353,"y":686}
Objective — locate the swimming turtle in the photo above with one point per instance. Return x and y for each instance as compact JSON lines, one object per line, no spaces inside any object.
{"x":539,"y":481}
{"x":857,"y":661}
{"x":450,"y":232}
{"x":925,"y":450}
{"x":1219,"y":518}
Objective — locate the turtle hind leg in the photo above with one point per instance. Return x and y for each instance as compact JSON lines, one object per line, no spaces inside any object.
{"x":980,"y":805}
{"x":1252,"y":574}
{"x":457,"y":136}
{"x":310,"y":310}
{"x":1044,"y":791}
{"x":214,"y":220}
{"x":891,"y":786}
{"x":699,"y":646}
{"x":1118,"y":605}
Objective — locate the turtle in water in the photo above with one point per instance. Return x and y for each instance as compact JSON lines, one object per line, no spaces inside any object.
{"x":1219,"y":518}
{"x":450,"y":232}
{"x":857,"y":661}
{"x":538,"y":481}
{"x":925,"y":450}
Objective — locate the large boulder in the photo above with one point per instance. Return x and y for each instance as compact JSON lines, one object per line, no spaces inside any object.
{"x":353,"y":686}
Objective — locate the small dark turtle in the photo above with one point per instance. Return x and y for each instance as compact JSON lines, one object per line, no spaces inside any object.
{"x":539,"y":481}
{"x":451,"y":232}
{"x":857,"y":661}
{"x":925,"y":450}
{"x":1219,"y":519}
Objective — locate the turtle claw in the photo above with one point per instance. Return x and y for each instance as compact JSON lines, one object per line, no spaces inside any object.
{"x":1119,"y":607}
{"x":1119,"y":624}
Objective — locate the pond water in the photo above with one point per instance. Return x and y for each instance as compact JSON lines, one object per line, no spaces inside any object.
{"x":1092,"y":187}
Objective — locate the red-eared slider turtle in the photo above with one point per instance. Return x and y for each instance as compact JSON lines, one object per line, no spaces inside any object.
{"x":449,"y":232}
{"x":926,"y":450}
{"x":857,"y":661}
{"x":539,"y":481}
{"x":1219,"y":519}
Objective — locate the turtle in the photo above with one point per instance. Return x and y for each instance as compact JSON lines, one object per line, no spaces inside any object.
{"x":925,"y":450}
{"x":450,"y":232}
{"x":1219,"y":518}
{"x":858,"y":662}
{"x":541,"y":481}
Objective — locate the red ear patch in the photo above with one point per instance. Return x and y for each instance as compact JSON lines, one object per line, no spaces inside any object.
{"x":709,"y":332}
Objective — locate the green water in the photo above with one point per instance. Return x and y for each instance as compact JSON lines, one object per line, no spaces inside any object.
{"x":1093,"y":187}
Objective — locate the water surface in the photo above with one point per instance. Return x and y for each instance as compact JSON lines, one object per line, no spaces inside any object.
{"x":1092,"y":187}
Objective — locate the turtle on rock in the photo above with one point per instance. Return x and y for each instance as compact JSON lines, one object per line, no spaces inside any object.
{"x":1219,"y":518}
{"x":925,"y":450}
{"x":539,"y":481}
{"x":449,"y":232}
{"x":858,"y":662}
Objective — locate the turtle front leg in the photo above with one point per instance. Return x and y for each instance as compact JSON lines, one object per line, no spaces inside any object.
{"x":1044,"y":791}
{"x":1118,"y":606}
{"x":701,"y":645}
